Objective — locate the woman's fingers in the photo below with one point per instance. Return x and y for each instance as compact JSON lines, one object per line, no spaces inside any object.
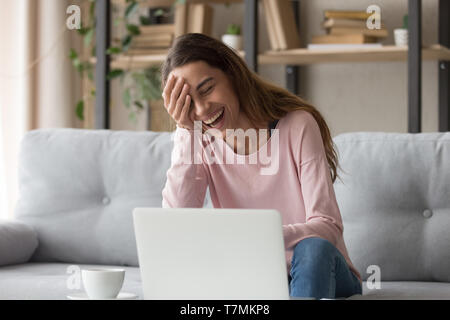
{"x":177,"y":101}
{"x":181,"y":102}
{"x":168,"y":89}
{"x":174,"y":95}
{"x":184,"y":116}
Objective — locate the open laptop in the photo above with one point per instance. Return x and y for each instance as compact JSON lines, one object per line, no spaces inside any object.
{"x":210,"y":254}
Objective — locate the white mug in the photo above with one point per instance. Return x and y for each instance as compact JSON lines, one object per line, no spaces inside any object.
{"x":102,"y":283}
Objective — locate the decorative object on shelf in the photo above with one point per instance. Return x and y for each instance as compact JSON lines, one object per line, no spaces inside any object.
{"x":348,"y":27}
{"x":281,"y":26}
{"x":162,"y":15}
{"x":233,"y":37}
{"x":401,"y":34}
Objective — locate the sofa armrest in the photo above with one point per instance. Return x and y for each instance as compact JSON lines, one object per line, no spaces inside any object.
{"x":18,"y":241}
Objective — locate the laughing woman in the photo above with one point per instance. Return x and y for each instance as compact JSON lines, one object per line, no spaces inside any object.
{"x":204,"y":80}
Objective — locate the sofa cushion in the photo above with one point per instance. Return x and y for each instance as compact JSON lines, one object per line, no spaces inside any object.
{"x":54,"y":281}
{"x":18,"y":241}
{"x":394,"y":199}
{"x":78,"y":188}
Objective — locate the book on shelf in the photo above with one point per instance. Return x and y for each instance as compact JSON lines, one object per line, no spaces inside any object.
{"x":153,"y":37}
{"x":162,"y":40}
{"x":346,"y":23}
{"x":270,"y":26}
{"x":281,"y":25}
{"x":343,"y":38}
{"x":377,"y":33}
{"x":347,"y":14}
{"x":193,"y":17}
{"x":180,"y":19}
{"x":337,"y":46}
{"x":146,"y":51}
{"x":200,"y":16}
{"x":343,"y":23}
{"x":157,"y":28}
{"x":153,"y":44}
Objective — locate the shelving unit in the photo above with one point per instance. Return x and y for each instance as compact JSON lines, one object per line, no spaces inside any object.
{"x":294,"y":58}
{"x":304,"y":56}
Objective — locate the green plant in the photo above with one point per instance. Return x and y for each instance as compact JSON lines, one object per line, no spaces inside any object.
{"x":233,"y":29}
{"x":405,"y":21}
{"x":138,"y":86}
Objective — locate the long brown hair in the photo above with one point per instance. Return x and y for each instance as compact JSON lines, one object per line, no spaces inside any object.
{"x":260,"y":100}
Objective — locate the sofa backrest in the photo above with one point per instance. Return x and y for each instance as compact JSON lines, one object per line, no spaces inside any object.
{"x":394,"y":199}
{"x":78,"y":187}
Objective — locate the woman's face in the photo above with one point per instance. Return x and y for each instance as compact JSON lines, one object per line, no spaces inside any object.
{"x":211,"y":93}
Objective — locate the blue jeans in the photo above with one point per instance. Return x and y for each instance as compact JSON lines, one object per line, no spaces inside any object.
{"x":319,"y":270}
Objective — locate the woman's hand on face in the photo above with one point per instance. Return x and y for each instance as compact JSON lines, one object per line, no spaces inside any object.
{"x":177,"y":101}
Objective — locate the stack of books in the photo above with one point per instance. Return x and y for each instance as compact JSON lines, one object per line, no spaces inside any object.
{"x":348,"y":27}
{"x":153,"y":38}
{"x":158,"y":38}
{"x":281,"y":26}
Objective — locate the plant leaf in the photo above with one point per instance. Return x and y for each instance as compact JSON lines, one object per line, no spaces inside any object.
{"x":114,"y":73}
{"x":88,"y":37}
{"x":113,"y":50}
{"x":126,"y":41}
{"x":130,"y":8}
{"x":126,"y":97}
{"x":73,"y":54}
{"x":83,"y":30}
{"x":158,"y":13}
{"x":92,"y":8}
{"x":132,"y":116}
{"x":133,"y":29}
{"x":139,"y":105}
{"x":144,"y":20}
{"x":79,"y":110}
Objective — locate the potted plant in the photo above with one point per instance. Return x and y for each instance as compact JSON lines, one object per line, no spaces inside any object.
{"x":233,"y":37}
{"x":401,"y":34}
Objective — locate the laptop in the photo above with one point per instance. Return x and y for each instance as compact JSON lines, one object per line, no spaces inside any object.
{"x":211,"y":254}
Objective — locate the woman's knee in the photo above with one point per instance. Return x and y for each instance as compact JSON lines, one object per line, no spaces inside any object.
{"x":314,"y":249}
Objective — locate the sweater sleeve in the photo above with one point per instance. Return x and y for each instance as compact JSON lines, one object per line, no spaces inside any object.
{"x":186,"y":181}
{"x":323,"y":218}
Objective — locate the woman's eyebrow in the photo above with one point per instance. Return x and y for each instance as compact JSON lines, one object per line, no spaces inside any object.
{"x":203,"y":82}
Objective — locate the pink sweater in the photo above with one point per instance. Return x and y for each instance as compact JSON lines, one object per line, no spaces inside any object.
{"x":299,"y":187}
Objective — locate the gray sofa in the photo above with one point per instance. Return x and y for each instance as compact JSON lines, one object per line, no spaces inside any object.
{"x":78,"y":187}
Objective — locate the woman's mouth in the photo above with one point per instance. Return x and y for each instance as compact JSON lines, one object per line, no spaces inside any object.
{"x":216,"y":121}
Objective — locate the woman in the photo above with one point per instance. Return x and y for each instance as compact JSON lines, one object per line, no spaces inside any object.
{"x":204,"y":80}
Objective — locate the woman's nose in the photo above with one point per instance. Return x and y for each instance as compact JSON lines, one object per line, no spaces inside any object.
{"x":201,"y":110}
